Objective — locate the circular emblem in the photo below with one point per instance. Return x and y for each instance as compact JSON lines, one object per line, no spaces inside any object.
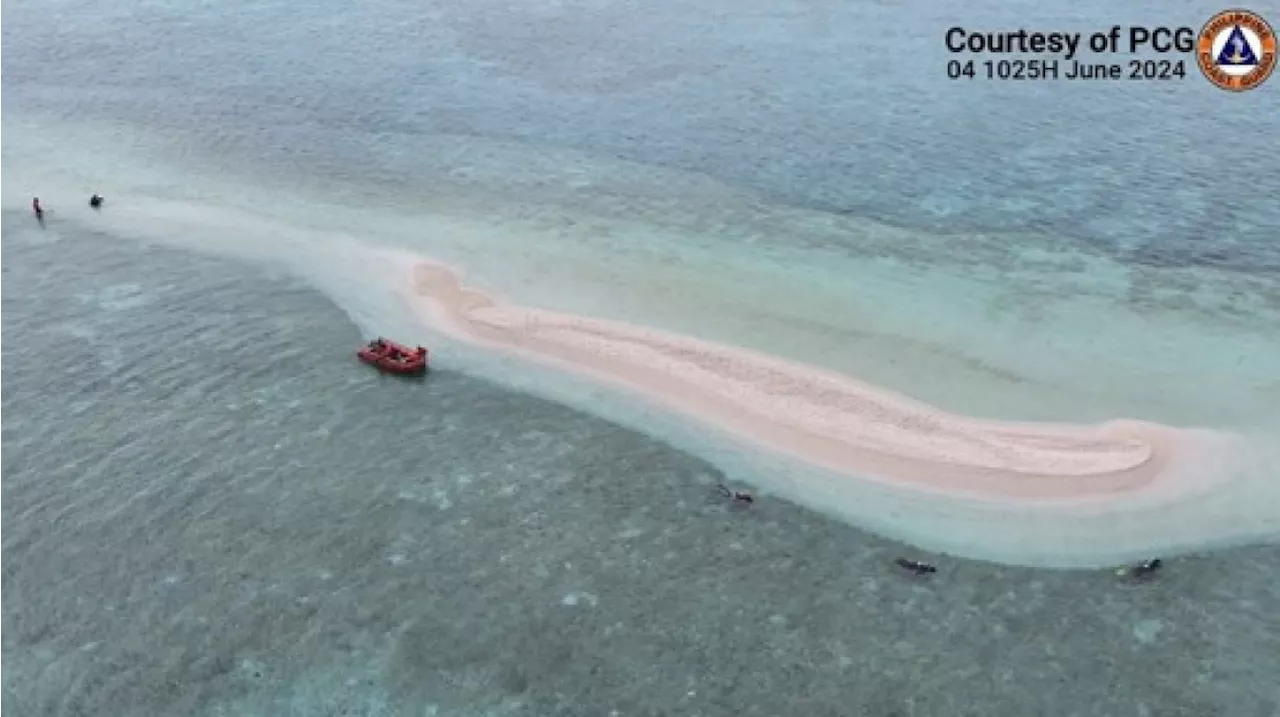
{"x":1236,"y":50}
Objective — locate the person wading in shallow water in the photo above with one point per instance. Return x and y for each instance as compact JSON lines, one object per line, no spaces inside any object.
{"x":738,"y":497}
{"x":36,"y":208}
{"x":1143,"y":569}
{"x":915,"y":566}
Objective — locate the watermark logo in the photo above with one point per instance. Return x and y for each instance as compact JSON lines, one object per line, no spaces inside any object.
{"x":1236,"y":50}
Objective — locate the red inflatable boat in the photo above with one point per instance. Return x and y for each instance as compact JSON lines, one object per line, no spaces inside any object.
{"x":394,"y":358}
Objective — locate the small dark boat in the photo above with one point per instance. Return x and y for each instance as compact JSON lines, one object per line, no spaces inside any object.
{"x":392,"y":357}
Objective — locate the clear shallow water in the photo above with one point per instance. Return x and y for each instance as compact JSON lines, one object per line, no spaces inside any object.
{"x":210,"y":508}
{"x":841,"y":107}
{"x":1023,"y":213}
{"x":1049,"y":253}
{"x":1001,"y":325}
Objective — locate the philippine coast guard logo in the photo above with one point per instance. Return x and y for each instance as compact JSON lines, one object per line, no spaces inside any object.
{"x":1236,"y":50}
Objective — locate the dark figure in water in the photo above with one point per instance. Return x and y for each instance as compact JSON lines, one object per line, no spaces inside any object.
{"x":36,"y":208}
{"x":96,"y":201}
{"x":1142,"y":569}
{"x":737,"y":496}
{"x":915,"y":566}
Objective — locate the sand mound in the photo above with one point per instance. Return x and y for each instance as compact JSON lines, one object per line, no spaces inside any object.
{"x":814,"y":415}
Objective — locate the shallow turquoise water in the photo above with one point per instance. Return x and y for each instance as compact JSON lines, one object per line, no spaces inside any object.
{"x":798,"y":178}
{"x":838,"y":106}
{"x":210,"y":508}
{"x":718,"y":170}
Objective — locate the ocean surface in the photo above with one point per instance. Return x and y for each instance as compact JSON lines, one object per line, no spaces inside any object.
{"x":210,"y":508}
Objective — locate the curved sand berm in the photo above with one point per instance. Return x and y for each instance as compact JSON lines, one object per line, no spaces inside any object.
{"x":1028,"y":494}
{"x":1032,"y":494}
{"x":817,"y":416}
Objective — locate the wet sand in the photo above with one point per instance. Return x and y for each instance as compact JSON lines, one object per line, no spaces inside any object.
{"x":1048,"y":494}
{"x":1018,"y":492}
{"x":819,"y":416}
{"x":303,"y":536}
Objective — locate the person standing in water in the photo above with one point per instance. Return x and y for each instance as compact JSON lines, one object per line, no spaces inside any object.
{"x":36,"y":208}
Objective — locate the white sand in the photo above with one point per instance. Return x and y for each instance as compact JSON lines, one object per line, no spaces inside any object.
{"x":811,"y":414}
{"x":1034,"y":493}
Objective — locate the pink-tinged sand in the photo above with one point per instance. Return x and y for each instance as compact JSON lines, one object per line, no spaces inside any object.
{"x":814,"y":415}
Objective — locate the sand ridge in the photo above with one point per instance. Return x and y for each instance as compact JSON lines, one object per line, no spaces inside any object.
{"x":811,"y":414}
{"x":1029,"y":494}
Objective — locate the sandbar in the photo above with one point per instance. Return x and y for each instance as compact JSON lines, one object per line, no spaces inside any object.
{"x":814,"y":415}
